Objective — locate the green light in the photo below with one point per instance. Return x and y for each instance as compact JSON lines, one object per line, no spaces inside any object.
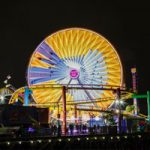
{"x":139,"y":96}
{"x":95,"y":138}
{"x":49,"y":141}
{"x":78,"y":139}
{"x":103,"y":137}
{"x":20,"y":142}
{"x":8,"y":143}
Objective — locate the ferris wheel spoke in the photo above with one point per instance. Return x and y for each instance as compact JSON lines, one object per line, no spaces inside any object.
{"x":87,"y":93}
{"x":91,"y":57}
{"x":41,"y":80}
{"x":46,"y":51}
{"x":38,"y":69}
{"x":50,"y":62}
{"x":95,"y":64}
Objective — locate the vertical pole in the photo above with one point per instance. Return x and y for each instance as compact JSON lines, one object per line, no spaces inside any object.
{"x":148,"y":104}
{"x":64,"y":109}
{"x":134,"y":86}
{"x":26,"y":96}
{"x":120,"y":116}
{"x":58,"y":115}
{"x":75,"y":114}
{"x":80,"y":117}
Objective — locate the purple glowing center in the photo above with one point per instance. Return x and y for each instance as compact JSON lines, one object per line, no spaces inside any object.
{"x":74,"y":73}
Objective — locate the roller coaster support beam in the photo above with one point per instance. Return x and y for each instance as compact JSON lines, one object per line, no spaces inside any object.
{"x":148,"y":101}
{"x":64,"y":109}
{"x":27,"y":92}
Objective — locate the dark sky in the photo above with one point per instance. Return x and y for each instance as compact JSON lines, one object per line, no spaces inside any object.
{"x":24,"y":24}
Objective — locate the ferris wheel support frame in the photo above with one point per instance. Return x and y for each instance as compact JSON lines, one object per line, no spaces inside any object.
{"x":64,"y":109}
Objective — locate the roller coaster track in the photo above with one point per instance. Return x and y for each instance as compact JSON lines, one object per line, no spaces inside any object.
{"x":125,"y":94}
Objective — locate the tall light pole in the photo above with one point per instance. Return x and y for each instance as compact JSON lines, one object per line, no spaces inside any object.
{"x":134,"y":86}
{"x":118,"y":95}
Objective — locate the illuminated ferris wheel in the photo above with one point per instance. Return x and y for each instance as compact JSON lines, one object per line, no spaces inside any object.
{"x":74,"y":56}
{"x":5,"y":94}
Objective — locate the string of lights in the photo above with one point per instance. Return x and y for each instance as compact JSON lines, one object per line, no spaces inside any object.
{"x":69,"y":139}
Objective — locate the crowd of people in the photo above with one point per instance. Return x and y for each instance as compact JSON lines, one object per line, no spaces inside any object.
{"x":73,"y":129}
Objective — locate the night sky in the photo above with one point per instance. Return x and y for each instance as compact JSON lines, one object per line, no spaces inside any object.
{"x":23,"y":25}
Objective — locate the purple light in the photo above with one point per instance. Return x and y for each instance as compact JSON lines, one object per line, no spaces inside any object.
{"x":31,"y":129}
{"x":74,"y":73}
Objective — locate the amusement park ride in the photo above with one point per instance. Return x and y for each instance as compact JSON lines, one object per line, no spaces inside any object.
{"x":76,"y":73}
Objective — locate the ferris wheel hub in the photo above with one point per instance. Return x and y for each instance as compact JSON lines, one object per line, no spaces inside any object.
{"x":74,"y":74}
